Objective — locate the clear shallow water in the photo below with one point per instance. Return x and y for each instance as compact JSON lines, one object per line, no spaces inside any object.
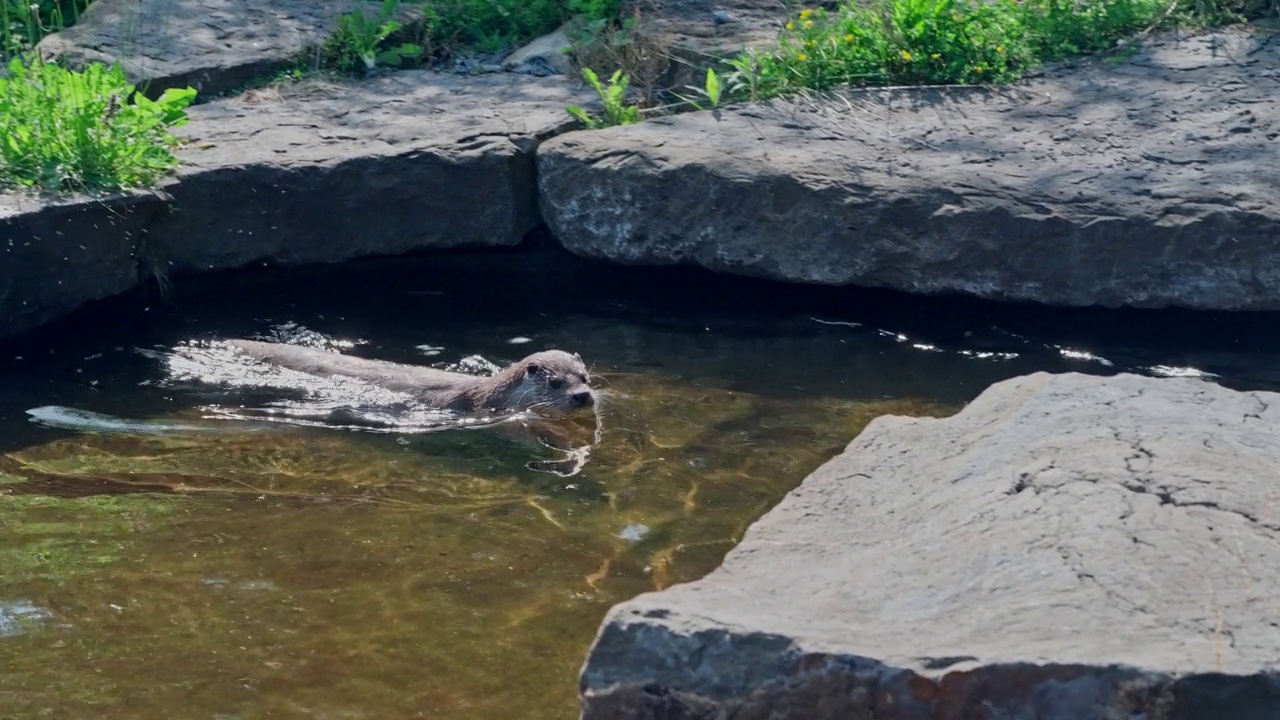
{"x":294,"y":571}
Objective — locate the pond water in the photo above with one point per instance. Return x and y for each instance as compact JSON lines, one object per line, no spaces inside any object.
{"x":226,"y":570}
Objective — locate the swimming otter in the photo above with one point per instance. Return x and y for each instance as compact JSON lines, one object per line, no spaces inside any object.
{"x":551,"y":383}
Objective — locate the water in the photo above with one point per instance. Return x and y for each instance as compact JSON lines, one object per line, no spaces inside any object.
{"x":162,"y":561}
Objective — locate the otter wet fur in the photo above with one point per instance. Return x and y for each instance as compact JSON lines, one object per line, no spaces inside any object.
{"x":551,"y":384}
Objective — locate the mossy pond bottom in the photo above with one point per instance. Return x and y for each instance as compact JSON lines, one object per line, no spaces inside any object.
{"x":315,"y":572}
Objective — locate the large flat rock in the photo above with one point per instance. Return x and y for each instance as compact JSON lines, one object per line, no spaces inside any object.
{"x":1148,"y":182}
{"x":214,"y":46}
{"x":1067,"y":547}
{"x":57,"y":255}
{"x":324,"y":173}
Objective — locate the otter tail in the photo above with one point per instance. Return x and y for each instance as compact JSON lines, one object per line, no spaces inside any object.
{"x":66,"y":418}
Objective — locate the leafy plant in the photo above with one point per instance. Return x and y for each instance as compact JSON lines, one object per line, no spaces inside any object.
{"x":64,"y":130}
{"x":909,"y":42}
{"x":613,"y":97}
{"x":625,"y":44}
{"x":357,"y":43}
{"x":710,"y":90}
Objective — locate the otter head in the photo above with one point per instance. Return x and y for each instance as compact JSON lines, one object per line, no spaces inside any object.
{"x":552,"y":383}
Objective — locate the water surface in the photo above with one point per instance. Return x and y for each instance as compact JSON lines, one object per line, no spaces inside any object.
{"x":224,"y":570}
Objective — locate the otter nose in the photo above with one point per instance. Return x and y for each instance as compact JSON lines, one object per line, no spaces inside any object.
{"x":583,"y":398}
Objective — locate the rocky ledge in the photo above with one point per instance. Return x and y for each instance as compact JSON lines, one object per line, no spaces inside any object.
{"x":1148,"y":182}
{"x":307,"y":173}
{"x":1067,"y":547}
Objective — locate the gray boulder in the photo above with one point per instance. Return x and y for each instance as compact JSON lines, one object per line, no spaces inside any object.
{"x":547,"y":55}
{"x":1067,"y":547}
{"x":1150,"y":182}
{"x":214,"y":46}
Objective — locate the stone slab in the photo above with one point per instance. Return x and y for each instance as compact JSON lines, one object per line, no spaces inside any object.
{"x":1147,"y":182}
{"x":322,"y":173}
{"x":215,"y":46}
{"x":1067,"y":547}
{"x":56,"y":255}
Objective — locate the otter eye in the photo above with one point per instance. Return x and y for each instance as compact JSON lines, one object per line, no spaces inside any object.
{"x":556,"y":384}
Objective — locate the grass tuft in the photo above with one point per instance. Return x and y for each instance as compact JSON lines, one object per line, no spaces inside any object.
{"x":63,"y":130}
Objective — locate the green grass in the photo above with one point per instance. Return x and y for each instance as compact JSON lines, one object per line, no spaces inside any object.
{"x":62,"y":130}
{"x":24,"y":22}
{"x":921,"y":42}
{"x":372,"y":36}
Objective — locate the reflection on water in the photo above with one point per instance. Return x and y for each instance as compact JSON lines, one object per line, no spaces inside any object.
{"x":182,"y":561}
{"x":15,"y":615}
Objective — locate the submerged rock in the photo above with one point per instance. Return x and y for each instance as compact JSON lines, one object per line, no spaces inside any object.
{"x":1067,"y":547}
{"x":1150,"y":182}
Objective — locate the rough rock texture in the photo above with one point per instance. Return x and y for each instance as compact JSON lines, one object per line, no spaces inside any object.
{"x":56,"y":256}
{"x":1067,"y":547}
{"x":411,"y":160}
{"x":547,"y":55}
{"x":214,"y":46}
{"x":700,"y":33}
{"x":1149,"y":182}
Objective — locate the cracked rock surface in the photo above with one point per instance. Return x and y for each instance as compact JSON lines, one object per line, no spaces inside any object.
{"x":1067,"y":547}
{"x":1151,"y":181}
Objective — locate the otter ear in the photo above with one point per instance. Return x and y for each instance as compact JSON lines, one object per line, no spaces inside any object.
{"x":577,"y":357}
{"x":533,"y":369}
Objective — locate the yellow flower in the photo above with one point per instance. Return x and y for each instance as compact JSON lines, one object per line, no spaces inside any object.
{"x":808,"y":43}
{"x":978,"y":68}
{"x":906,"y":56}
{"x":999,"y":48}
{"x":791,"y":26}
{"x":935,"y":56}
{"x":848,"y":38}
{"x":802,"y":57}
{"x":808,"y":23}
{"x":805,"y":13}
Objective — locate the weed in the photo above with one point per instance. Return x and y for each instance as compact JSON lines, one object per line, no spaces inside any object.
{"x":629,"y":45}
{"x":357,"y":43}
{"x":613,"y":97}
{"x":65,"y":130}
{"x":710,"y":90}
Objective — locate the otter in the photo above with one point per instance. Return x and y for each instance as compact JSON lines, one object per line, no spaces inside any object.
{"x":551,"y":384}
